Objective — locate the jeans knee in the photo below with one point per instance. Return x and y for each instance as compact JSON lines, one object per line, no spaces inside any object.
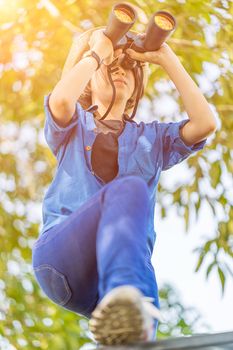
{"x":131,"y":183}
{"x":136,"y":183}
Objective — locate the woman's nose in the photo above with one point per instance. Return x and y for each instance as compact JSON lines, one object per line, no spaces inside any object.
{"x":120,"y":71}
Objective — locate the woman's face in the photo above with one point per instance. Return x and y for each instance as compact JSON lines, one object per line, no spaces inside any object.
{"x":123,"y":80}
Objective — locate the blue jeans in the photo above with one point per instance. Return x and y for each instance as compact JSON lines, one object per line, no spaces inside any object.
{"x":101,"y":245}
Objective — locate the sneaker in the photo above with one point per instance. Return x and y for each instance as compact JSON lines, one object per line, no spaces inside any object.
{"x":124,"y":316}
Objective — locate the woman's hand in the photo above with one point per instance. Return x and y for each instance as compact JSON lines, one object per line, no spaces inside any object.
{"x":102,"y":45}
{"x":159,"y":56}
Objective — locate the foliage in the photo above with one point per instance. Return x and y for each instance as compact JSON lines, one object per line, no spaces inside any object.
{"x":179,"y":320}
{"x":35,"y":39}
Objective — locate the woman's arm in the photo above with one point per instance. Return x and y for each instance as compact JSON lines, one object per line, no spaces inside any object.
{"x":67,"y":91}
{"x":62,"y":101}
{"x":202,"y":122}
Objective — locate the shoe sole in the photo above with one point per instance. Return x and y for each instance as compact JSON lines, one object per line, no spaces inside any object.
{"x":117,"y":319}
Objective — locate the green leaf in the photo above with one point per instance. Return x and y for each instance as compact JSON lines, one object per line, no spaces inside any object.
{"x":208,"y":245}
{"x":163,"y":212}
{"x":210,"y":267}
{"x":200,"y":261}
{"x":186,"y":217}
{"x":215,"y":174}
{"x":222,"y":278}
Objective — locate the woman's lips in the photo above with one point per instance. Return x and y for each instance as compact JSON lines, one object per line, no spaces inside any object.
{"x":120,"y":81}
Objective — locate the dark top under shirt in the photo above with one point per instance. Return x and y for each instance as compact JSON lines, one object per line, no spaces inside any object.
{"x":104,"y":156}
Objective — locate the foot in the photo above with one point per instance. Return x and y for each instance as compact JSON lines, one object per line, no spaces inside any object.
{"x":124,"y":316}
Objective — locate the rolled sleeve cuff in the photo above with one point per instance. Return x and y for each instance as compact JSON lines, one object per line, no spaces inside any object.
{"x":51,"y":120}
{"x":179,"y":144}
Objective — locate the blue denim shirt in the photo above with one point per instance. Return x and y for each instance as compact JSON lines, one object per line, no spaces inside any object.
{"x":145,"y":149}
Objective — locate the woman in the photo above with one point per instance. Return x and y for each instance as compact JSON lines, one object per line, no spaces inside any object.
{"x":94,"y":252}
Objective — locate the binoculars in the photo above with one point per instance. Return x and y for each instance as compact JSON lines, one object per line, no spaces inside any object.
{"x":122,"y":18}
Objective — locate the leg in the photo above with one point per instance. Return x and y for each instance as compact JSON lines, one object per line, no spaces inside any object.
{"x":99,"y":246}
{"x":64,"y":259}
{"x":122,"y":236}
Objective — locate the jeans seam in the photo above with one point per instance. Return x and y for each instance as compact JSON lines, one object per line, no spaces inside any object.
{"x":51,"y":268}
{"x":39,"y":244}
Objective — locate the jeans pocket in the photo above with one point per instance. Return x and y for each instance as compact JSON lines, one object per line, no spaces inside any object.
{"x":53,"y":283}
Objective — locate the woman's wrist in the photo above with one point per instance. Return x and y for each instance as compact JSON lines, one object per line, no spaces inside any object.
{"x":168,"y":58}
{"x":93,"y":54}
{"x":92,"y":60}
{"x":100,"y":52}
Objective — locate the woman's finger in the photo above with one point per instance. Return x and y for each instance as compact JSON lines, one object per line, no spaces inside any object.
{"x":148,"y":56}
{"x":140,"y":56}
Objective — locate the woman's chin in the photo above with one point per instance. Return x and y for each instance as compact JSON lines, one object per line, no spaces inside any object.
{"x":120,"y":94}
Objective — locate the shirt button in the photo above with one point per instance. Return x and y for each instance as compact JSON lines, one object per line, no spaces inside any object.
{"x":88,"y":148}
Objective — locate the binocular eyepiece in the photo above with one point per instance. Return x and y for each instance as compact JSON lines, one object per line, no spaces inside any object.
{"x":121,"y":19}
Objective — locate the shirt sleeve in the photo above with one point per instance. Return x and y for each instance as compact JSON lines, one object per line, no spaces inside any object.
{"x":56,"y":135}
{"x":173,"y":148}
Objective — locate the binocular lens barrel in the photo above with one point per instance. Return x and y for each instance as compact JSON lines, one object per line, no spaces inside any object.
{"x":123,"y":15}
{"x":160,"y":27}
{"x":120,"y":21}
{"x":122,"y":18}
{"x":163,"y":22}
